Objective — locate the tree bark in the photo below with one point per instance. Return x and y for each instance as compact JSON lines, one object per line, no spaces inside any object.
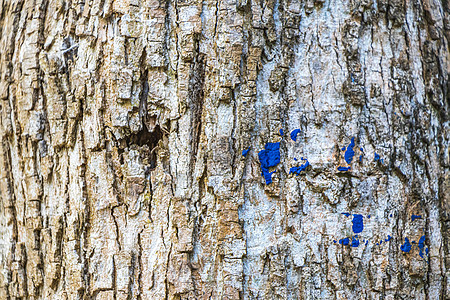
{"x":122,"y":129}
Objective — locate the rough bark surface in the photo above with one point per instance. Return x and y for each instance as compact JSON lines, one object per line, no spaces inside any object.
{"x":122,"y":129}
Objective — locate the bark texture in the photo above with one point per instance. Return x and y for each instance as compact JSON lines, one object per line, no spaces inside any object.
{"x":122,"y":129}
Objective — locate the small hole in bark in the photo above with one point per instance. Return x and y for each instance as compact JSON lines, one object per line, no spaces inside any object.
{"x":149,"y":139}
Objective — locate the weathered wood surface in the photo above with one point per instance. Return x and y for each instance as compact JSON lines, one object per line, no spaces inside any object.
{"x":122,"y":129}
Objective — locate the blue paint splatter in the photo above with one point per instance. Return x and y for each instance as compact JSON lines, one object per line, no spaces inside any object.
{"x":295,"y":159}
{"x":334,"y":241}
{"x":343,"y":148}
{"x":244,"y":152}
{"x":390,"y":215}
{"x":362,"y":150}
{"x":346,"y":214}
{"x":348,"y":156}
{"x":297,"y":170}
{"x":355,"y":242}
{"x":367,"y":242}
{"x":388,"y":239}
{"x":368,"y":216}
{"x":344,"y":242}
{"x":267,"y":175}
{"x":360,"y":158}
{"x":413,"y":217}
{"x":294,"y":134}
{"x":421,"y":245}
{"x":406,"y":247}
{"x":270,"y":157}
{"x":358,"y":224}
{"x":377,"y":157}
{"x":426,"y":251}
{"x":343,"y":169}
{"x":281,"y":132}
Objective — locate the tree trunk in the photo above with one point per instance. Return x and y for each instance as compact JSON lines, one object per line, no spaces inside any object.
{"x":123,"y":126}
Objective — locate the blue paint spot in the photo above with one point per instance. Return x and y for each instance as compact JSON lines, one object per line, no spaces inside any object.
{"x":343,"y":148}
{"x":390,"y":215}
{"x":343,"y":169}
{"x":346,"y":214}
{"x":367,"y":242}
{"x":348,"y":156}
{"x":294,"y":134}
{"x":421,"y":245}
{"x":295,"y":159}
{"x":381,"y":242}
{"x":362,"y":150}
{"x":368,"y":216}
{"x":281,"y":132}
{"x":344,"y":242}
{"x":377,"y":157}
{"x":270,"y":157}
{"x":388,"y":239}
{"x":267,"y":175}
{"x":334,"y":241}
{"x":303,"y":158}
{"x":299,"y":169}
{"x":360,"y":158}
{"x":406,"y":247}
{"x":377,"y":244}
{"x":426,"y":251}
{"x":413,"y":217}
{"x":244,"y":152}
{"x":358,"y":224}
{"x":355,"y":242}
